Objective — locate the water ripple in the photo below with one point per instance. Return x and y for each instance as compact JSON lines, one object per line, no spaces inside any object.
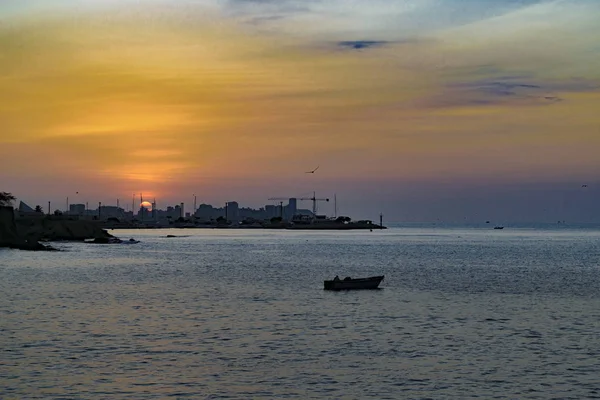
{"x":238,"y":315}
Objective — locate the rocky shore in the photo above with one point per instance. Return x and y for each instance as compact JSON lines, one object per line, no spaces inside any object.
{"x":26,"y":233}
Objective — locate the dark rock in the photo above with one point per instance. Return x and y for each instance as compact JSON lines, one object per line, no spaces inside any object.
{"x":9,"y":235}
{"x":56,"y":228}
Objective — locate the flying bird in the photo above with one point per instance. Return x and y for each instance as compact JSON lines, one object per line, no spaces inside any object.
{"x":313,"y":171}
{"x":583,"y":185}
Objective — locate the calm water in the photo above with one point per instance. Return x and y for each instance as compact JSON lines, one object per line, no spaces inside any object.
{"x":463,"y":313}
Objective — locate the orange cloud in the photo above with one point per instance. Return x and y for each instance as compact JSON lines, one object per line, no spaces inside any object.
{"x":134,"y":101}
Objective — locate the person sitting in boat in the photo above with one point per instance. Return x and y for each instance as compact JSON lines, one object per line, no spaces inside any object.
{"x":337,"y":278}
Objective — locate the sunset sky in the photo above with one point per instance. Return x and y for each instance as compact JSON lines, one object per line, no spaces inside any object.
{"x":420,"y":109}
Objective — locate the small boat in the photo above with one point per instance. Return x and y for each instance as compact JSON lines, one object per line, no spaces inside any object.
{"x":498,"y":227}
{"x":353,"y":284}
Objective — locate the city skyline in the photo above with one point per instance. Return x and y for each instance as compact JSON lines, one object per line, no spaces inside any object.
{"x":570,"y":203}
{"x":148,"y":213}
{"x":139,"y":204}
{"x":420,"y":110}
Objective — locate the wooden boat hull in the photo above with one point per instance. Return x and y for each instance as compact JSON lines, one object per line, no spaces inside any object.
{"x":354,"y":284}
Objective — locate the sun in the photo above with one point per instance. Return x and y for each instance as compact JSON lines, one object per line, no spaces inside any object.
{"x":146,"y":204}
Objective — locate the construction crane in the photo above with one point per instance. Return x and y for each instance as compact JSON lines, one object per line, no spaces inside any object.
{"x":314,"y":200}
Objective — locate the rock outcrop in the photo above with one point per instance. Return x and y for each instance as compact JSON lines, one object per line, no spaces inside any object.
{"x":26,"y":232}
{"x":8,"y":229}
{"x":9,"y":235}
{"x":52,"y":228}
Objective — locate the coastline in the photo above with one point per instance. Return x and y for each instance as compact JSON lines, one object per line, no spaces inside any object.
{"x":250,"y":227}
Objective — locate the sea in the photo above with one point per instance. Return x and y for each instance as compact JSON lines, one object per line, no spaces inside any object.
{"x":463,"y":313}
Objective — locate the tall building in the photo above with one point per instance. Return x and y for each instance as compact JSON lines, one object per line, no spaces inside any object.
{"x":177,"y":212}
{"x":233,"y":211}
{"x":292,"y":208}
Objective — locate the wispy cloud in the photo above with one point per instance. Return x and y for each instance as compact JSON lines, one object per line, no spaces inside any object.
{"x":361,"y":44}
{"x":509,"y":88}
{"x":508,"y":91}
{"x":264,"y":19}
{"x":493,"y":90}
{"x":265,"y":9}
{"x":378,"y":18}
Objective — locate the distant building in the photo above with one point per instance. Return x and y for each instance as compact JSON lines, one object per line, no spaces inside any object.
{"x":24,"y":208}
{"x":271,"y":211}
{"x":206,"y":212}
{"x":76,"y":209}
{"x":291,"y":208}
{"x":233,"y":211}
{"x":170,"y":213}
{"x":148,"y":214}
{"x":110,"y":212}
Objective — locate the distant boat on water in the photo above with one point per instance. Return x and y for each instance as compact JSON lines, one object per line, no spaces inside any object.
{"x":498,"y":227}
{"x":353,"y":284}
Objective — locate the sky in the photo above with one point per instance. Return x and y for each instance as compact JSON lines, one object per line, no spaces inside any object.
{"x":423,"y":110}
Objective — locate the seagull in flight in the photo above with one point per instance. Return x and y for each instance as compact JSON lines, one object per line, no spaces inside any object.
{"x":313,"y":171}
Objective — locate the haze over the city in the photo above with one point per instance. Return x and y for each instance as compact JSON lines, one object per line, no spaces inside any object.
{"x":424,"y":110}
